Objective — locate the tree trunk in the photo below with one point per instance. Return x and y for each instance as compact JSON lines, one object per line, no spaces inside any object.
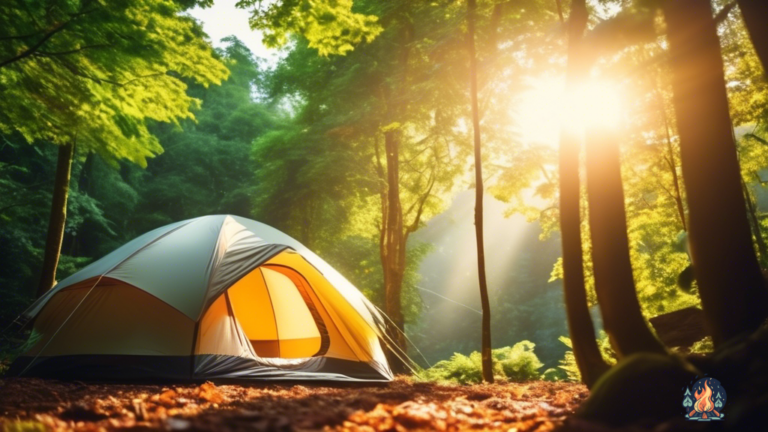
{"x":731,"y":286}
{"x":58,"y":218}
{"x":394,"y":249}
{"x":393,"y":236}
{"x":673,"y":167}
{"x":614,"y":283}
{"x":582,"y":331}
{"x":487,"y":360}
{"x":755,"y":14}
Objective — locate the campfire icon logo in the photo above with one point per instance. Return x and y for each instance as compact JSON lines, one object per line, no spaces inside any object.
{"x":704,"y":400}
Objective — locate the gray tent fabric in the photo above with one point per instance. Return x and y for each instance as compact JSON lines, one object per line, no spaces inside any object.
{"x":105,"y":264}
{"x":188,"y":265}
{"x":184,"y":255}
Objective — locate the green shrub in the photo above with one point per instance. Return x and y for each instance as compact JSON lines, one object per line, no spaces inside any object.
{"x":568,"y":362}
{"x":459,"y":369}
{"x":516,"y":363}
{"x":554,"y":374}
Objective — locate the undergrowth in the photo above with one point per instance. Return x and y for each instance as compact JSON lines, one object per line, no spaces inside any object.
{"x":516,"y":363}
{"x":568,"y":363}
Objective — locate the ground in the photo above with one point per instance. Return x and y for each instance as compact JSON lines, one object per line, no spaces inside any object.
{"x":35,"y":404}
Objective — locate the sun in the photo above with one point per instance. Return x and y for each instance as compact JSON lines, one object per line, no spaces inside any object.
{"x":545,"y":107}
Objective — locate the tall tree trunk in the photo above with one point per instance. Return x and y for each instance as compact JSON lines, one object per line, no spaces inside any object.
{"x":394,"y":248}
{"x":755,"y":14}
{"x":588,"y":358}
{"x":731,"y":286}
{"x":58,"y":217}
{"x":394,"y":234}
{"x":487,"y":360}
{"x":614,"y":283}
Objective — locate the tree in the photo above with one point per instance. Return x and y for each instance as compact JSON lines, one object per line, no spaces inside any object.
{"x":731,"y":286}
{"x":89,"y":75}
{"x":207,"y":167}
{"x":404,"y":136}
{"x":614,"y":282}
{"x":585,"y":350}
{"x":722,"y":258}
{"x":479,"y":192}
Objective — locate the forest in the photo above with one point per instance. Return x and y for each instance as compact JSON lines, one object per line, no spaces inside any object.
{"x":524,"y":215}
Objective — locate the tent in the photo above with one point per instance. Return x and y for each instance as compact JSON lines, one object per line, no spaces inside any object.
{"x":212,"y":297}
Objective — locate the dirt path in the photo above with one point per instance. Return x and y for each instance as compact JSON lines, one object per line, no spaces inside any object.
{"x":401,"y":405}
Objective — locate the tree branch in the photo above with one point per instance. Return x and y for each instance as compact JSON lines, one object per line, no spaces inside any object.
{"x":52,"y":54}
{"x":19,"y":37}
{"x":29,"y":51}
{"x":415,"y":224}
{"x":56,"y":29}
{"x":73,"y":69}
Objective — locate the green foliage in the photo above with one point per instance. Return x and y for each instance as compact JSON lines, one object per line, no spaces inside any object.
{"x":95,"y":72}
{"x":458,"y":369}
{"x":205,"y":170}
{"x":568,"y":362}
{"x":330,"y":26}
{"x":554,"y":374}
{"x":26,"y":177}
{"x":516,"y":363}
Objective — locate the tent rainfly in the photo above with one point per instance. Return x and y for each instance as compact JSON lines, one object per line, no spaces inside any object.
{"x":212,"y":297}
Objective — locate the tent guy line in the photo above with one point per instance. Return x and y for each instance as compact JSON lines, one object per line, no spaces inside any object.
{"x":452,"y":301}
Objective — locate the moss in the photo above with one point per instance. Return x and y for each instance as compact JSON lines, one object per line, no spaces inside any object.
{"x":641,"y":387}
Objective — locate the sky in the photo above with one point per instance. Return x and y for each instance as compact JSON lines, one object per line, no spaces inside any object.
{"x":224,"y":19}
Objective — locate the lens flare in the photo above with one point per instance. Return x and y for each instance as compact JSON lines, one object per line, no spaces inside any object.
{"x":541,"y":110}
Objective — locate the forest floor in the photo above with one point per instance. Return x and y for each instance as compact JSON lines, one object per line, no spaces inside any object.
{"x":35,"y":404}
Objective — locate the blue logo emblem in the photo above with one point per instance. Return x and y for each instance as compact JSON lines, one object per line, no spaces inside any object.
{"x":704,"y":400}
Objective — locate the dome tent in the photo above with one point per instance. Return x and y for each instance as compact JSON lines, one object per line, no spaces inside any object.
{"x":212,"y":297}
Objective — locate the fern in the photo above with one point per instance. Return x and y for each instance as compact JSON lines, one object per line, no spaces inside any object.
{"x":568,"y":362}
{"x":516,"y":363}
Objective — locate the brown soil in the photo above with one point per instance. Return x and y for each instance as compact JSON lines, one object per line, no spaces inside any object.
{"x":397,"y":406}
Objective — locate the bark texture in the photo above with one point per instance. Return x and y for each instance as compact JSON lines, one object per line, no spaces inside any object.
{"x":58,"y":218}
{"x":614,"y":283}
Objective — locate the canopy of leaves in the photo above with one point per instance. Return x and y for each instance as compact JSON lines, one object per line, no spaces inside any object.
{"x":95,"y":71}
{"x":329,"y":26}
{"x":206,"y":169}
